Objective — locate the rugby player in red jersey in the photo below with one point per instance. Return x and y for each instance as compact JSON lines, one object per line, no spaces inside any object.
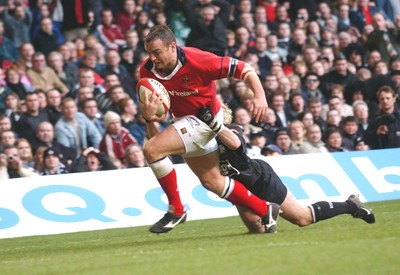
{"x":188,"y":74}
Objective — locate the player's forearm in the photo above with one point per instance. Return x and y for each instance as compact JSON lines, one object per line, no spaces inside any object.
{"x":229,"y":139}
{"x":254,"y":83}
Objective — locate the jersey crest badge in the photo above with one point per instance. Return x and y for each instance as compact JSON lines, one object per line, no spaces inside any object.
{"x":185,"y":79}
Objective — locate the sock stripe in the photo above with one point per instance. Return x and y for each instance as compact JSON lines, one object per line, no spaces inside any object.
{"x":312,"y":213}
{"x":228,"y":188}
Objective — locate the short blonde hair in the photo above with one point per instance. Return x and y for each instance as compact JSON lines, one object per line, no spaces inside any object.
{"x":228,"y":117}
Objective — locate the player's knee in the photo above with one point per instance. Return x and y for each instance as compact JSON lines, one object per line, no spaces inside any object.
{"x":303,"y":221}
{"x":150,"y":153}
{"x":212,"y":186}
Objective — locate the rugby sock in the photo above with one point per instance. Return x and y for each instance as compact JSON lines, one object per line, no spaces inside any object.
{"x":324,"y":210}
{"x":236,"y":193}
{"x":166,"y":175}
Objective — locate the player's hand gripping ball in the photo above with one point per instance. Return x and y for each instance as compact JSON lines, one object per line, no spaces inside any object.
{"x":149,"y":86}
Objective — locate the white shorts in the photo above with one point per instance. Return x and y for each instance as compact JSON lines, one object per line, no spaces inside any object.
{"x":197,"y":136}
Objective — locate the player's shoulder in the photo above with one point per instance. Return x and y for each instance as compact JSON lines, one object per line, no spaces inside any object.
{"x":197,"y":54}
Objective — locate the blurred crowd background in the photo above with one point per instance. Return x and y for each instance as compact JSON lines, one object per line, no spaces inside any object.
{"x":69,"y":68}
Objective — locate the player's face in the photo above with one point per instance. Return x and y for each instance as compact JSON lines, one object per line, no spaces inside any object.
{"x":163,"y":56}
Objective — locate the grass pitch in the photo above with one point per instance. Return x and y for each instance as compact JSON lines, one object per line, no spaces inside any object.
{"x":342,"y":245}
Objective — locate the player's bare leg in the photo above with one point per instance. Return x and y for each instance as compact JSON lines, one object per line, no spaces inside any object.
{"x":156,"y":151}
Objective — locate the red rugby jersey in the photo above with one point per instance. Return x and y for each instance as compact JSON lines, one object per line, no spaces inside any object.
{"x":191,"y":85}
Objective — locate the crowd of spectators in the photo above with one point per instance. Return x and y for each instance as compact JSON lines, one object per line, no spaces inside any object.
{"x":69,"y":68}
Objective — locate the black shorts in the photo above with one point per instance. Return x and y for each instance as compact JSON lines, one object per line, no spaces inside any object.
{"x":269,"y":187}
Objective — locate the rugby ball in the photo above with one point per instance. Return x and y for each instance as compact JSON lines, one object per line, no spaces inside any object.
{"x":151,"y":86}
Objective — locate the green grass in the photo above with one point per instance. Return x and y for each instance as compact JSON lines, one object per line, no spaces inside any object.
{"x":342,"y":245}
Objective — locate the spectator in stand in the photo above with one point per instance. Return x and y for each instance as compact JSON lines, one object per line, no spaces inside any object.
{"x":284,"y":86}
{"x":86,"y":78}
{"x":344,"y":39}
{"x":90,"y":61}
{"x":362,"y":13}
{"x":40,"y":11}
{"x":24,"y":61}
{"x":277,"y":103}
{"x":53,"y":108}
{"x":298,"y":133}
{"x":259,"y":140}
{"x":270,"y":84}
{"x":45,"y":138}
{"x":297,"y":45}
{"x":92,"y":160}
{"x":30,"y":120}
{"x":264,"y":62}
{"x":66,"y":72}
{"x":360,"y":109}
{"x":311,"y":88}
{"x":46,"y":40}
{"x":244,"y":42}
{"x":76,"y":18}
{"x":7,"y":138}
{"x":315,"y":107}
{"x":5,"y":123}
{"x":125,"y":19}
{"x":300,"y":68}
{"x":25,"y":152}
{"x":384,"y":39}
{"x":283,"y":141}
{"x":42,"y":99}
{"x":340,"y":75}
{"x":43,"y":77}
{"x":242,"y":118}
{"x":284,"y":35}
{"x":14,"y":84}
{"x":113,"y":66}
{"x":333,"y":140}
{"x":296,"y":106}
{"x":143,"y":23}
{"x":313,"y":142}
{"x":11,"y":109}
{"x":333,"y":118}
{"x":52,"y":163}
{"x":343,"y":17}
{"x":18,"y":19}
{"x":38,"y":159}
{"x":109,"y":34}
{"x":116,"y":139}
{"x":271,"y":150}
{"x":273,"y":51}
{"x":310,"y":55}
{"x":313,"y":31}
{"x":128,"y":112}
{"x":74,"y":129}
{"x":89,"y":108}
{"x":128,"y":60}
{"x":207,"y":24}
{"x":306,"y":117}
{"x":383,"y":129}
{"x":349,"y":132}
{"x":132,"y":41}
{"x":336,"y":101}
{"x":282,"y":16}
{"x":134,"y":156}
{"x":115,"y":94}
{"x":360,"y":145}
{"x":11,"y":166}
{"x":83,"y":93}
{"x":260,"y":15}
{"x":7,"y":49}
